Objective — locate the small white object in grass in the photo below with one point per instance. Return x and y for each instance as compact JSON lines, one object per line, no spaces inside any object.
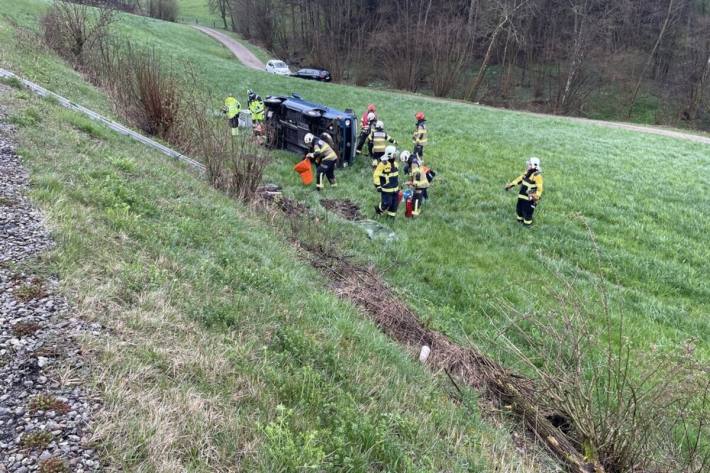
{"x":424,"y":354}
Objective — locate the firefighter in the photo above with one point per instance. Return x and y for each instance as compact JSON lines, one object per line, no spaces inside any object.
{"x":418,"y":181}
{"x":378,"y":139}
{"x":369,"y":117}
{"x":231,"y":108}
{"x":325,"y":158}
{"x":419,"y":137}
{"x":256,"y":106}
{"x":386,"y":180}
{"x":530,"y":184}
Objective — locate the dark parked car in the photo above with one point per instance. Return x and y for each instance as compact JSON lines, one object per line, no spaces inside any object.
{"x":289,"y":119}
{"x":314,"y":74}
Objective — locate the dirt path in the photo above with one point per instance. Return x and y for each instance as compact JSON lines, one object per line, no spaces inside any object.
{"x":248,"y":59}
{"x":242,"y":53}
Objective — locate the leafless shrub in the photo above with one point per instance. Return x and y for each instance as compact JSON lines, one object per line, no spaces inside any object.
{"x":629,"y":408}
{"x":144,"y":87}
{"x":72,"y":29}
{"x":235,"y":164}
{"x":450,"y":46}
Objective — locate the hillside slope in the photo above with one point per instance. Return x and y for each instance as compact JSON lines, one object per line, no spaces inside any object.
{"x":465,"y":262}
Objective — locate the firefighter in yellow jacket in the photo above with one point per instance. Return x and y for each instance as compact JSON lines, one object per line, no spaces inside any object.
{"x":386,"y":180}
{"x":256,"y":107}
{"x":419,"y":137}
{"x":418,"y":181}
{"x":231,"y":108}
{"x":324,"y":157}
{"x":530,"y":192}
{"x":378,"y":139}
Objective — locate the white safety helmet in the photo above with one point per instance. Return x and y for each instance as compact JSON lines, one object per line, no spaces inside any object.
{"x":534,"y":162}
{"x":384,"y":158}
{"x":379,"y":125}
{"x":371,"y":116}
{"x":390,"y":152}
{"x":308,"y":139}
{"x":404,"y":156}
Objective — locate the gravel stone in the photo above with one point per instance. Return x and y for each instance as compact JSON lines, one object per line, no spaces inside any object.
{"x":31,"y":354}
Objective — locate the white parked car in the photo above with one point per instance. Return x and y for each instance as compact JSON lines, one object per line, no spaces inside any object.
{"x":278,"y":67}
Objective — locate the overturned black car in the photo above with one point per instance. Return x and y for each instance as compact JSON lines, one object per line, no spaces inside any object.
{"x":289,"y":119}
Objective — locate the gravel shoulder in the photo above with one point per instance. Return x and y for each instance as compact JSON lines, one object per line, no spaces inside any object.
{"x":45,"y":411}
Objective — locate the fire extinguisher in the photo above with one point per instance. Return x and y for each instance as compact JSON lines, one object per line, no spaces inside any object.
{"x":409,"y":203}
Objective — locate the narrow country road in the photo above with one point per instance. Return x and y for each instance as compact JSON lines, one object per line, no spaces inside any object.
{"x":249,"y":60}
{"x":243,"y":54}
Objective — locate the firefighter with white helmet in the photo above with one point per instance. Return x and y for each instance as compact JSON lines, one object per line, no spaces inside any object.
{"x":386,"y":180}
{"x":378,"y":139}
{"x":325,"y":158}
{"x":418,"y":181}
{"x":531,"y":187}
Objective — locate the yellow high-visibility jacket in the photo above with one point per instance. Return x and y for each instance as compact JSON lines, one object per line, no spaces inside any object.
{"x":531,"y":185}
{"x":418,"y":174}
{"x":379,"y":140}
{"x":420,"y":134}
{"x":323,"y":152}
{"x":256,"y":107}
{"x":386,"y":176}
{"x":232,"y":107}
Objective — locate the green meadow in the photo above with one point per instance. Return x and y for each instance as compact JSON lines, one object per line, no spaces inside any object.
{"x":622,"y":211}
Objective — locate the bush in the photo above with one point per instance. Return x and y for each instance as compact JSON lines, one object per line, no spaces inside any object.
{"x":652,"y":417}
{"x":73,"y":30}
{"x":235,"y":164}
{"x":144,"y":89}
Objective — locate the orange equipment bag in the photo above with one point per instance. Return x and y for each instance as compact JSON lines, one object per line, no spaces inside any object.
{"x":304,"y":169}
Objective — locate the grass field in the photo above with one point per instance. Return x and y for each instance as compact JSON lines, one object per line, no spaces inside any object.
{"x":225,"y":353}
{"x":466,"y":258}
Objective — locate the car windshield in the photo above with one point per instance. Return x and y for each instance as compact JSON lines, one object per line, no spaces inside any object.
{"x":279,"y":64}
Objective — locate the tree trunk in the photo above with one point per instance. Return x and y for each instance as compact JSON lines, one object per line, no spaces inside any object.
{"x":650,"y":57}
{"x":476,"y":85}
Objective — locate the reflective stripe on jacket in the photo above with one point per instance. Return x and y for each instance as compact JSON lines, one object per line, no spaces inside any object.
{"x":386,"y":176}
{"x":232,"y":107}
{"x":323,"y":152}
{"x":420,"y":134}
{"x":379,"y":141}
{"x":530,"y":185}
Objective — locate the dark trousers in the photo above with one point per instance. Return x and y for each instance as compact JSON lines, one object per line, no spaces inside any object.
{"x":417,"y":201}
{"x":376,"y":158}
{"x":326,"y":169}
{"x":362,"y":138}
{"x":388,"y":203}
{"x":524,"y":211}
{"x":419,"y":150}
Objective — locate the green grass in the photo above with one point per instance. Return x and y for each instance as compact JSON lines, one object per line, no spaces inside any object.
{"x":198,"y":12}
{"x":466,"y":256}
{"x":642,"y":196}
{"x":224,"y":347}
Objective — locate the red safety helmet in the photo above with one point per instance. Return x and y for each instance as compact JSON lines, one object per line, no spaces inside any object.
{"x":419,"y":116}
{"x":371,"y":108}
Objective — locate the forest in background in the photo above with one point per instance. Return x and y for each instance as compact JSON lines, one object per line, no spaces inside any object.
{"x":640,"y":60}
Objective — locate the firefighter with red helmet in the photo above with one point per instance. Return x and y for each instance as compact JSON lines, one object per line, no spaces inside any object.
{"x":419,"y":137}
{"x":369,"y":118}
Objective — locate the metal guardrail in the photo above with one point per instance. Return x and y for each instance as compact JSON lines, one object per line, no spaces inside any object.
{"x":115,"y":126}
